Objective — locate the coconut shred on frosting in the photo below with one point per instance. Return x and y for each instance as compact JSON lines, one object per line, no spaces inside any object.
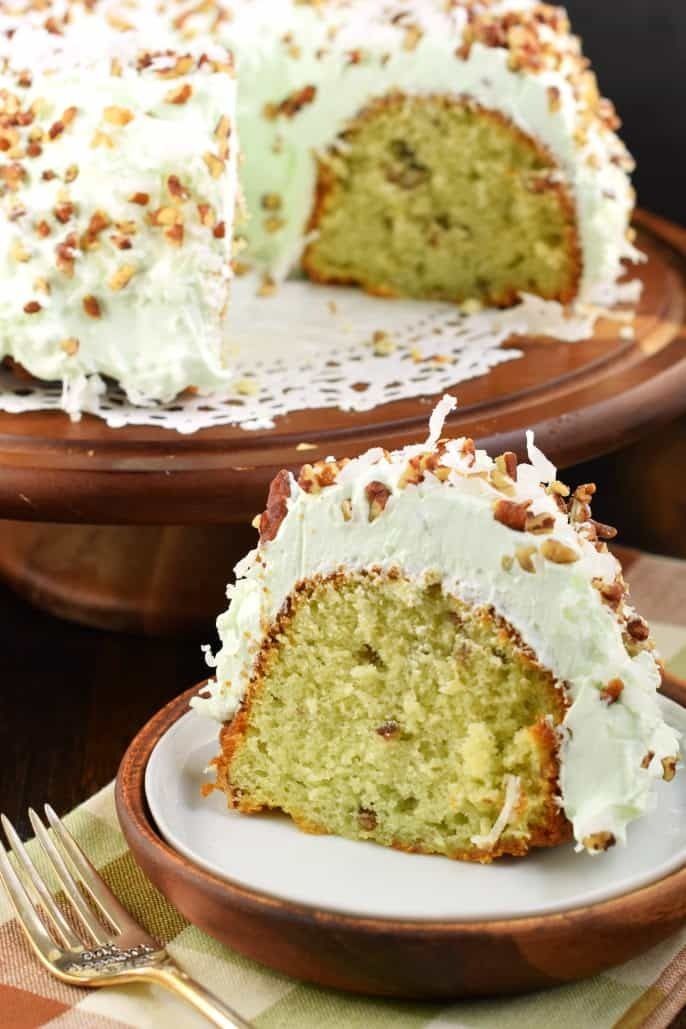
{"x":495,"y":533}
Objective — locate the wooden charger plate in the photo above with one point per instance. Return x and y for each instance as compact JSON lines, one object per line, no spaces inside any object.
{"x":428,"y":959}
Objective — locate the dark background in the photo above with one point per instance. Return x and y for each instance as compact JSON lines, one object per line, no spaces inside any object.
{"x":638,"y":50}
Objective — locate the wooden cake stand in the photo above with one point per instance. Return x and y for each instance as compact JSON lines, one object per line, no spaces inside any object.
{"x":138,"y":528}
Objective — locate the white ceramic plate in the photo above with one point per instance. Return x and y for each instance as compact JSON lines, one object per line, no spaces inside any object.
{"x":269,"y":854}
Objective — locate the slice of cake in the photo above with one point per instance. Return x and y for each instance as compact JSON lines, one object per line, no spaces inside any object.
{"x":117,"y":194}
{"x":434,"y":650}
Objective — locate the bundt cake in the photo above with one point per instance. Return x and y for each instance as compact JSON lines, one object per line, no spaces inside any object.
{"x":434,"y":650}
{"x":456,"y":150}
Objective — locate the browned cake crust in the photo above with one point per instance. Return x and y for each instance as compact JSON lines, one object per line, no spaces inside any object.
{"x":327,"y":188}
{"x":553,"y":828}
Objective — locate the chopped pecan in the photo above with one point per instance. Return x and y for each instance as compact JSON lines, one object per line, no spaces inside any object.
{"x":668,"y":768}
{"x":524,"y":557}
{"x":612,"y":692}
{"x":540,"y":523}
{"x":512,"y":513}
{"x":389,"y":730}
{"x":637,"y":628}
{"x":291,"y":105}
{"x":91,"y":306}
{"x":603,"y":532}
{"x":559,"y":553}
{"x":277,"y":506}
{"x":377,"y":494}
{"x":645,"y":763}
{"x":612,"y":592}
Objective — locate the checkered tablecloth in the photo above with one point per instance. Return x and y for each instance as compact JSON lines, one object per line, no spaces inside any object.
{"x":30,"y":997}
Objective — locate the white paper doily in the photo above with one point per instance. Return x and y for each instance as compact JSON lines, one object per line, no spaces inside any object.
{"x":310,"y":346}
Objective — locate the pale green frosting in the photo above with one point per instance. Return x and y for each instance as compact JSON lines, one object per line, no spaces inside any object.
{"x":161,"y":331}
{"x":347,"y":52}
{"x":447,"y":529}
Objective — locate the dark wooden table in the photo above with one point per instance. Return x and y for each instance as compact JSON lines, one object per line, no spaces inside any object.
{"x":72,"y":699}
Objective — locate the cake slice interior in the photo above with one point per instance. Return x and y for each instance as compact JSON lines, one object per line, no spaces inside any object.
{"x":385,"y":710}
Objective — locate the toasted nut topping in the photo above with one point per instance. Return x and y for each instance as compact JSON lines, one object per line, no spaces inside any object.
{"x":175,"y":235}
{"x":214,"y":163}
{"x":647,"y":759}
{"x":507,"y":463}
{"x":182,"y":66}
{"x":32,"y":307}
{"x":219,"y":231}
{"x":540,"y":523}
{"x":19,"y":251}
{"x":290,"y":106}
{"x":347,"y":509}
{"x":42,"y":285}
{"x":180,"y":94}
{"x":612,"y":692}
{"x":279,"y":492}
{"x":377,"y":494}
{"x":603,"y":532}
{"x":207,"y":215}
{"x":139,"y":198}
{"x":176,"y":188}
{"x":70,"y":346}
{"x":366,"y":819}
{"x":668,"y":768}
{"x":166,"y":216}
{"x":91,"y":306}
{"x":599,"y":841}
{"x":63,"y":212}
{"x":121,"y":277}
{"x":102,"y":139}
{"x":223,"y":128}
{"x":43,"y":229}
{"x":71,"y":173}
{"x":121,"y":242}
{"x":524,"y":557}
{"x":506,"y":562}
{"x":118,"y":115}
{"x":511,"y":513}
{"x":559,"y":553}
{"x":499,"y":478}
{"x":611,"y":592}
{"x":637,"y":628}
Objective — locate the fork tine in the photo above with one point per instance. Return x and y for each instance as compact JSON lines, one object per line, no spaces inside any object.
{"x":95,"y":929}
{"x":38,"y":936}
{"x":91,"y":879}
{"x":34,"y":884}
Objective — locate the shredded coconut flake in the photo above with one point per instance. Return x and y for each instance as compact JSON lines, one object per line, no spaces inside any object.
{"x":489,"y":841}
{"x":545,"y":469}
{"x":437,"y":419}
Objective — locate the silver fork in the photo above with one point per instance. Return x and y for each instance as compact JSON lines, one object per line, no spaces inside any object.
{"x":112,"y":948}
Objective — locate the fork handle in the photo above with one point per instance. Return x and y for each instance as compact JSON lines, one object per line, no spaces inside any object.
{"x":177,"y":981}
